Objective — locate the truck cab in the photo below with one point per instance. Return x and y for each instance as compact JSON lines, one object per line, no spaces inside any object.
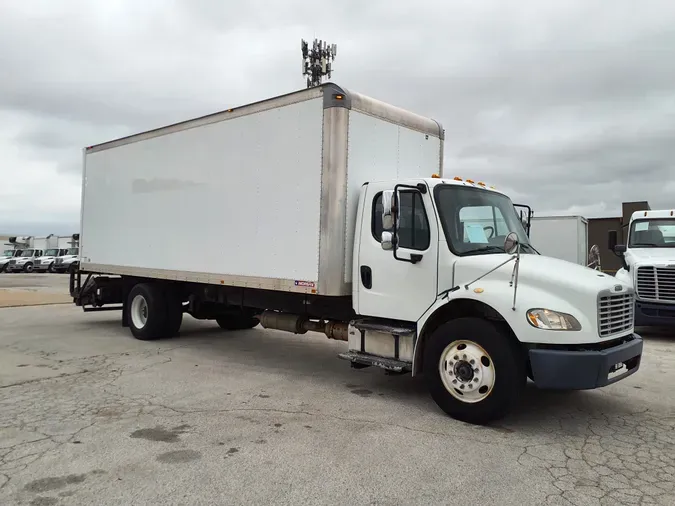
{"x":648,"y":259}
{"x":6,"y":256}
{"x":45,"y":262}
{"x":67,"y":261}
{"x":450,"y":260}
{"x":25,"y":261}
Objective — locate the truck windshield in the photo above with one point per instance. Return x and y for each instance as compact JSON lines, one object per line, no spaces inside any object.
{"x":476,"y":221}
{"x":652,"y":233}
{"x":7,"y":253}
{"x":27,"y":253}
{"x":51,"y":252}
{"x":72,"y":251}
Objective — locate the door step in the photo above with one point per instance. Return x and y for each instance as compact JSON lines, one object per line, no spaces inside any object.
{"x":364,"y":360}
{"x":393,"y":327}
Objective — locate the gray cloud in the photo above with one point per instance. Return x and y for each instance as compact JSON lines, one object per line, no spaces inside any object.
{"x":569,"y":106}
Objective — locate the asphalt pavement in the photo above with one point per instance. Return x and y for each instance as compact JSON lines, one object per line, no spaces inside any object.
{"x":91,"y":416}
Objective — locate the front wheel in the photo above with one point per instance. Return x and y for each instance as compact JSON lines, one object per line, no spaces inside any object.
{"x":51,"y":268}
{"x":474,"y":370}
{"x":28,"y":267}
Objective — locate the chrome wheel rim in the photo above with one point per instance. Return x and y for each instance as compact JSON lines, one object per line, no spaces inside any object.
{"x":139,"y":311}
{"x":467,"y":371}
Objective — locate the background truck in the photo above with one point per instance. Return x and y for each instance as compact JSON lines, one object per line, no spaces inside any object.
{"x":317,"y":213}
{"x":564,"y":237}
{"x":68,"y":260}
{"x":31,"y":248}
{"x":10,"y":251}
{"x":648,"y":259}
{"x":55,"y":247}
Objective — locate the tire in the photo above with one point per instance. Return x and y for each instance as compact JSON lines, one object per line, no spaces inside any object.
{"x":493,"y":381}
{"x":28,"y":267}
{"x":147,"y":312}
{"x":242,"y":320}
{"x":51,"y":268}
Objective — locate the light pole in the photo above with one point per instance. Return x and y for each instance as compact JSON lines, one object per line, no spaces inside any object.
{"x":316,"y":62}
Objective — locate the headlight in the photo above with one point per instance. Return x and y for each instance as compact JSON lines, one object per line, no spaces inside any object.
{"x":552,"y":320}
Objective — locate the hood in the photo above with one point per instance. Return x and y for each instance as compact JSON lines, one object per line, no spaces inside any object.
{"x":537,"y":270}
{"x":651,"y":255}
{"x":544,"y":283}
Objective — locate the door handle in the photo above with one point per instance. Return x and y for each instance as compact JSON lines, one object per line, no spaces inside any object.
{"x":367,"y":276}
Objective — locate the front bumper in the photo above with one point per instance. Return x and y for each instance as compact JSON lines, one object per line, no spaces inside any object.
{"x":649,"y":314}
{"x":585,"y":369}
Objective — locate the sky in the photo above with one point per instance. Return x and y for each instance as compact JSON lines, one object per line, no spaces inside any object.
{"x":567,"y":105}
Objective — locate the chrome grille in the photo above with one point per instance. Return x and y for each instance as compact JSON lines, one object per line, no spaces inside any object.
{"x":37,"y":262}
{"x":58,"y":261}
{"x":656,"y":283}
{"x":12,"y":262}
{"x":615,"y":313}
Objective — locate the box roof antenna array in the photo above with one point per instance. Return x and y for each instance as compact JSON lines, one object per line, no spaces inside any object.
{"x":317,"y":61}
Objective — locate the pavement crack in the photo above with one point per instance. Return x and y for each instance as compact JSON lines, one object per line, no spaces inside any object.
{"x":40,"y":380}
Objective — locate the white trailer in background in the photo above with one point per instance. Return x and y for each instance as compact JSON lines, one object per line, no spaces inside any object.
{"x":563,"y":237}
{"x":319,"y":211}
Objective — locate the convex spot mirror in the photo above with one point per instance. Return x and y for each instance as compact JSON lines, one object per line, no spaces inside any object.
{"x":511,"y":243}
{"x":387,"y":241}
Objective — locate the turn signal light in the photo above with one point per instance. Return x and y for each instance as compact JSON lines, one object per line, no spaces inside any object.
{"x":435,"y":176}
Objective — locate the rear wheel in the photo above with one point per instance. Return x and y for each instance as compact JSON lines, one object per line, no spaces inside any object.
{"x":147,"y":312}
{"x":474,"y":371}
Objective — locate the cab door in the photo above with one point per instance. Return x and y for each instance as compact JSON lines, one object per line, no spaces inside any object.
{"x":399,"y":284}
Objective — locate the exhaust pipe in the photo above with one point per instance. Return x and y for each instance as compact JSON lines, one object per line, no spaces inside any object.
{"x":297,"y":324}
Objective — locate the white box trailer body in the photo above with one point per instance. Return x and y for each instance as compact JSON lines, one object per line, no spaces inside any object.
{"x":264,"y":196}
{"x":563,"y":237}
{"x":318,"y":211}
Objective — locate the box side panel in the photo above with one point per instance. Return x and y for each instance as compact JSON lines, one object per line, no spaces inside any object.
{"x":383,"y":150}
{"x":237,"y":198}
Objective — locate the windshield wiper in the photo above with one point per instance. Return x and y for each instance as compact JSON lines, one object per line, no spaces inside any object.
{"x":485,"y":249}
{"x":638,"y":244}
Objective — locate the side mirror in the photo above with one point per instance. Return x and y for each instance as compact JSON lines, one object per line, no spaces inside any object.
{"x":511,"y":243}
{"x":612,"y":239}
{"x":387,"y":210}
{"x":619,"y":249}
{"x":387,"y":241}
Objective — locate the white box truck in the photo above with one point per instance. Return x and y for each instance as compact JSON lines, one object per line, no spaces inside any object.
{"x":564,"y":237}
{"x":648,"y":259}
{"x":319,"y":211}
{"x":31,"y":248}
{"x":56,"y":247}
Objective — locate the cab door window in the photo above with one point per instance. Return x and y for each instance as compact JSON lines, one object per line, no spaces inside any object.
{"x":413,"y":225}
